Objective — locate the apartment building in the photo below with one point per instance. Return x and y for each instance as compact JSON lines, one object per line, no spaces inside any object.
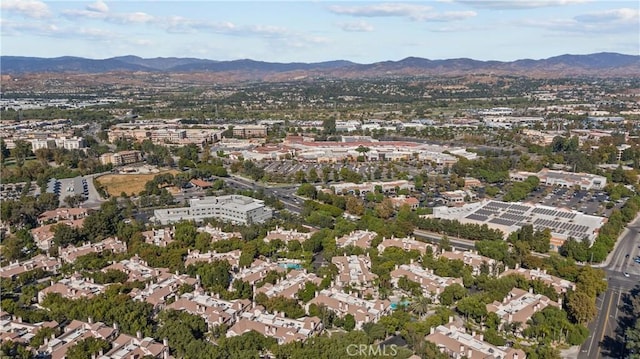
{"x":432,"y":285}
{"x":354,"y":271}
{"x":277,"y":326}
{"x":15,"y":330}
{"x":289,"y":286}
{"x":217,"y":234}
{"x":43,"y":235}
{"x":457,"y":343}
{"x":160,"y":289}
{"x":407,"y":244}
{"x":258,"y":271}
{"x":194,"y":256}
{"x":213,"y":310}
{"x":72,"y":143}
{"x":46,"y":263}
{"x":558,"y":284}
{"x":232,"y":208}
{"x":287,"y":235}
{"x":159,"y":237}
{"x":121,"y":158}
{"x":73,"y":333}
{"x":357,"y":238}
{"x":519,"y":305}
{"x":63,"y":214}
{"x":137,"y":269}
{"x":127,"y":346}
{"x":472,"y":259}
{"x":71,"y":252}
{"x":362,"y":310}
{"x":74,"y":287}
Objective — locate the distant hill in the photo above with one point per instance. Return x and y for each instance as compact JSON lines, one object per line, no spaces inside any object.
{"x":600,"y":65}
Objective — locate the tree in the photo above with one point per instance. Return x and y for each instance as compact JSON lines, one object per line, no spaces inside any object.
{"x":384,"y":209}
{"x":329,"y":126}
{"x":452,"y":293}
{"x":85,"y":348}
{"x":308,"y":292}
{"x":73,"y":200}
{"x":21,"y":151}
{"x":591,"y":281}
{"x":354,"y":205}
{"x":307,"y":190}
{"x":445,"y":243}
{"x":473,"y":307}
{"x":581,"y":307}
{"x":4,"y":151}
{"x":420,"y":306}
{"x":349,"y":322}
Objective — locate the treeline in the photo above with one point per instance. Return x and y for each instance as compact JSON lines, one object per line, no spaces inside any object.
{"x":583,"y":251}
{"x":453,"y":227}
{"x":521,"y":190}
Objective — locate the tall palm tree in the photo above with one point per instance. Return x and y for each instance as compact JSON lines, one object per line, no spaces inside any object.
{"x":420,"y":306}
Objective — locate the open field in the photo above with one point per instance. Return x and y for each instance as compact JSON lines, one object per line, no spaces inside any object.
{"x":131,"y":184}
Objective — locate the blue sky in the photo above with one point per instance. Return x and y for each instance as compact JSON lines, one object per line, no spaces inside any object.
{"x":313,"y":31}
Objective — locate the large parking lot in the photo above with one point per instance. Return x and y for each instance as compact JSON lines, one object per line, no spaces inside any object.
{"x":289,"y":168}
{"x":587,"y":202}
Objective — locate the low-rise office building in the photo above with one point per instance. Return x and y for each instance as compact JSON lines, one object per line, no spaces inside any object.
{"x":232,"y":208}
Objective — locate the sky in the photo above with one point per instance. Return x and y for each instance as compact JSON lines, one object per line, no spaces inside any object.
{"x":315,"y":31}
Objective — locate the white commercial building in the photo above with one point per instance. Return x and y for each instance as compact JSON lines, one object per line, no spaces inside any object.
{"x":509,"y":217}
{"x":231,"y":208}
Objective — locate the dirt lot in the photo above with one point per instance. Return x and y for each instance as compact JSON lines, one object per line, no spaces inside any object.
{"x":130,"y":184}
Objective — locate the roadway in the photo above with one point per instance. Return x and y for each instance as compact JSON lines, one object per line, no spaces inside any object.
{"x":603,"y":341}
{"x":286,"y":194}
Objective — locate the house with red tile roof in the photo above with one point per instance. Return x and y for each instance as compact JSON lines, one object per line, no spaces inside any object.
{"x":519,"y":305}
{"x":71,"y":252}
{"x":357,"y":238}
{"x":73,"y":333}
{"x":289,"y":286}
{"x":432,"y":285}
{"x":362,"y":310}
{"x":457,"y":343}
{"x":277,"y":326}
{"x":46,"y":263}
{"x":194,"y":256}
{"x":407,"y":243}
{"x":63,"y":214}
{"x":74,"y":287}
{"x":211,"y":308}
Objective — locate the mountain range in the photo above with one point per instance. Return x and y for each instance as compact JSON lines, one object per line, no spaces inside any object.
{"x":600,"y":65}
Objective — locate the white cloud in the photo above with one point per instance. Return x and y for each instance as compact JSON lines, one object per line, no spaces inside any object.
{"x":460,"y":28}
{"x":411,"y":11}
{"x":379,"y":10}
{"x":359,"y":26}
{"x":624,"y":15}
{"x":98,"y":6}
{"x":624,"y":20}
{"x":28,"y":8}
{"x":118,"y":18}
{"x":519,"y":4}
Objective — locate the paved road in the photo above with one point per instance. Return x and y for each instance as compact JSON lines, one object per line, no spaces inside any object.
{"x":603,"y":341}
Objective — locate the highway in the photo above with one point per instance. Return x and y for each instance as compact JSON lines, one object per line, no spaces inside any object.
{"x":603,"y":342}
